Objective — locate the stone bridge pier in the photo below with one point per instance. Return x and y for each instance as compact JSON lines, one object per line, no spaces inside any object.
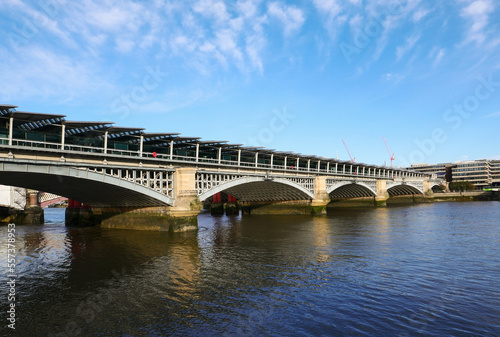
{"x":382,"y":194}
{"x":179,"y":217}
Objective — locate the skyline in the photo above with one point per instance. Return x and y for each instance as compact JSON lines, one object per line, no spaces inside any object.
{"x":292,"y":76}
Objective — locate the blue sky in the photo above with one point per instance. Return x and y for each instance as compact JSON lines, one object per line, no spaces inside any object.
{"x":288,"y":75}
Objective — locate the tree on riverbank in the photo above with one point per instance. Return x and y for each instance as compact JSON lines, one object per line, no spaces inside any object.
{"x":461,"y":186}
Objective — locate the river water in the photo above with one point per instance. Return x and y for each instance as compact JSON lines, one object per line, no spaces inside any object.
{"x":429,"y":269}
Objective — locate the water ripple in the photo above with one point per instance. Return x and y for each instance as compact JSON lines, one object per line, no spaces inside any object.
{"x":404,"y":271}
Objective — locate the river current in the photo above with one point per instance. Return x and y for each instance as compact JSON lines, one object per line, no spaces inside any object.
{"x":428,"y":269}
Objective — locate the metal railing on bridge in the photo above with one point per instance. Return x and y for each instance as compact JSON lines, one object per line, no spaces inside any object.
{"x":336,"y":168}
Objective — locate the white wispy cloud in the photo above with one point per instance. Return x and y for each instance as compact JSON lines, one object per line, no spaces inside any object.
{"x":124,"y":45}
{"x":215,"y":9}
{"x":330,"y":11}
{"x":410,"y":43}
{"x":477,"y":13}
{"x":48,"y":73}
{"x":355,"y":24}
{"x":110,"y":16}
{"x":437,"y":54}
{"x":494,"y":114}
{"x":248,"y":8}
{"x":420,"y":14}
{"x":394,"y":77}
{"x":291,"y":16}
{"x":330,"y":8}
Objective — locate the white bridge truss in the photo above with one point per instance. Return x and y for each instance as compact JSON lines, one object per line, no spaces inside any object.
{"x":404,"y":187}
{"x":351,"y":188}
{"x":264,"y":187}
{"x":161,"y":181}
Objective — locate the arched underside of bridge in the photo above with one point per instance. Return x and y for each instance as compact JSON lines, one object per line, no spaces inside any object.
{"x":403,"y":190}
{"x":95,"y":189}
{"x":258,"y":189}
{"x":351,"y":191}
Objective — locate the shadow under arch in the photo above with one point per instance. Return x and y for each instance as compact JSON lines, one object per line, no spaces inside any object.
{"x":351,"y":190}
{"x":403,"y":189}
{"x":261,"y":189}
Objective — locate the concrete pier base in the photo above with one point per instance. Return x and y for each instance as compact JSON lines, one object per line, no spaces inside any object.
{"x":232,"y":208}
{"x":29,"y":216}
{"x":217,"y":209}
{"x":409,"y":199}
{"x":284,"y":208}
{"x":355,"y":202}
{"x":32,"y":214}
{"x":149,"y":218}
{"x":79,"y":217}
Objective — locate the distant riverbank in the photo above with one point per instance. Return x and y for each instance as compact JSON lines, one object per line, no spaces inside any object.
{"x":467,"y":196}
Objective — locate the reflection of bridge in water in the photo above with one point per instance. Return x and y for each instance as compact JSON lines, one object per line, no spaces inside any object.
{"x":134,"y":179}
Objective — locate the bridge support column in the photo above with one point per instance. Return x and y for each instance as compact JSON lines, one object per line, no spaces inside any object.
{"x":187,"y":204}
{"x":24,"y":207}
{"x":382,"y":194}
{"x":428,"y":192}
{"x":232,"y":206}
{"x":33,"y":212}
{"x":146,"y":218}
{"x":217,"y":207}
{"x":181,"y":217}
{"x":79,"y":215}
{"x":321,"y":197}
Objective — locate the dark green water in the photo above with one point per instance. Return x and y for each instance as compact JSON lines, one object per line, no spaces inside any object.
{"x":430,"y":269}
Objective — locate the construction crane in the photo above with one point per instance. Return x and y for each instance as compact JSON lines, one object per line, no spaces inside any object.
{"x":352,"y":159}
{"x":391,"y":155}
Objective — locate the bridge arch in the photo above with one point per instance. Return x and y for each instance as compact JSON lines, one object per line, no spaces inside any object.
{"x":260,"y":189}
{"x":93,"y":188}
{"x":350,"y":189}
{"x":404,"y":189}
{"x":434,"y":186}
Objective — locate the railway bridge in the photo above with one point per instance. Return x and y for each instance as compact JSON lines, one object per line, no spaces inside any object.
{"x":130,"y":178}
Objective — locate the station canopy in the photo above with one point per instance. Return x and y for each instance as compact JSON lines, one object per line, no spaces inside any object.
{"x":52,"y":123}
{"x":210,"y":145}
{"x":34,"y":121}
{"x":6,"y":109}
{"x":185,"y":143}
{"x":158,"y":138}
{"x":124,"y":134}
{"x":86,"y":129}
